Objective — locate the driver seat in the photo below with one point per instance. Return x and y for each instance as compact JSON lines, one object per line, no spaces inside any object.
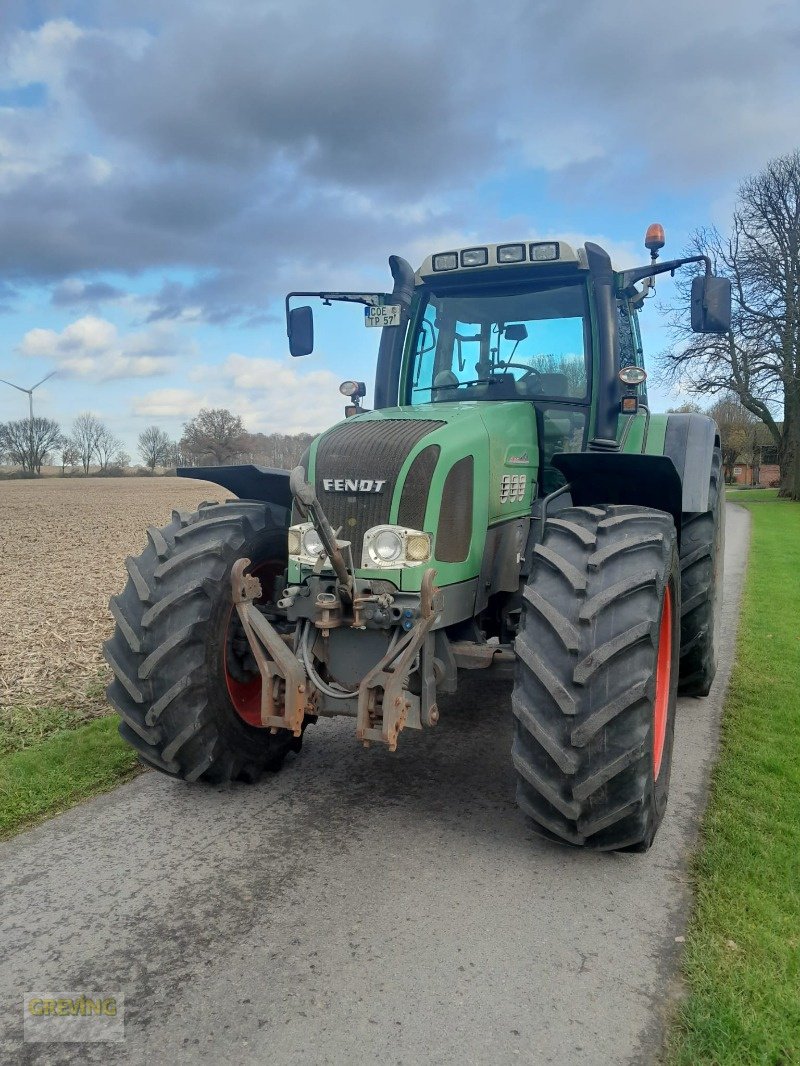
{"x":445,"y":386}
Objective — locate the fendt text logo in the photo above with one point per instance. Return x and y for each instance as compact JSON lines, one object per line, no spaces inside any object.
{"x":352,"y":484}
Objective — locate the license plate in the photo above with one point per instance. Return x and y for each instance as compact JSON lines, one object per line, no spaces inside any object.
{"x":389,"y":315}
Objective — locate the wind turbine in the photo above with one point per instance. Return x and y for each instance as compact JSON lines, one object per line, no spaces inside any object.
{"x":30,"y":390}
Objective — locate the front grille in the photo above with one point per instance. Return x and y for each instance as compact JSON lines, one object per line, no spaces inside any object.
{"x":454,"y":534}
{"x":414,"y":500}
{"x":370,"y":450}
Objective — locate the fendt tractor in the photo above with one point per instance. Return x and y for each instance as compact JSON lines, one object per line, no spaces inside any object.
{"x":509,"y":505}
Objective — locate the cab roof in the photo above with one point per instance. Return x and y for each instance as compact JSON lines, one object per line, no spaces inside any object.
{"x":478,"y":259}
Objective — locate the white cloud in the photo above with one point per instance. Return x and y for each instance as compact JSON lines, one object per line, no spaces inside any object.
{"x":42,"y":54}
{"x":93,"y":347}
{"x":47,"y":53}
{"x":170,"y":403}
{"x":270,"y":396}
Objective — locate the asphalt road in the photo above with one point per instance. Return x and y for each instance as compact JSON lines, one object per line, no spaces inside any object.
{"x":359,"y":907}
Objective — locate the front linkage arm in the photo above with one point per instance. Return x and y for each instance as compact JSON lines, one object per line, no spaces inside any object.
{"x":384,"y":707}
{"x":287,"y":694}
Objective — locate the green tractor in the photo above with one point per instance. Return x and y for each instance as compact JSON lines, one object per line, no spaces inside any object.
{"x":509,"y":505}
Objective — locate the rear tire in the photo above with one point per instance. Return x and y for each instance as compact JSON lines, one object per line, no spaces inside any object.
{"x":597,"y":673}
{"x":172,"y":645}
{"x":702,"y":558}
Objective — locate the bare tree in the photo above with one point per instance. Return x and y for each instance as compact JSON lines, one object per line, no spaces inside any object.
{"x":67,"y":454}
{"x":280,"y":450}
{"x":214,"y":435}
{"x":574,"y":370}
{"x":759,"y":360}
{"x":736,"y":425}
{"x":28,"y":442}
{"x":154,"y":445}
{"x":688,"y":408}
{"x":106,"y":448}
{"x":122,"y":459}
{"x":86,"y":430}
{"x":176,"y":456}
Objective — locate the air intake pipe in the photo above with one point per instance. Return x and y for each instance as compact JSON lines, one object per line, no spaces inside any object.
{"x":390,"y":352}
{"x":607,"y":385}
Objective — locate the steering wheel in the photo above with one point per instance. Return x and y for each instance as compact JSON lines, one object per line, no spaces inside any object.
{"x":521,"y":366}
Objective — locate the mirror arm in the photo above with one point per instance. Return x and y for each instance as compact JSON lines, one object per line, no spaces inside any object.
{"x":371,"y":299}
{"x":628,"y":278}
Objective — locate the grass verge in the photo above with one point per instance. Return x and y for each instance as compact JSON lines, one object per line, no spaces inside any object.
{"x":48,"y":777}
{"x":24,"y":724}
{"x":750,"y":495}
{"x":742,"y":960}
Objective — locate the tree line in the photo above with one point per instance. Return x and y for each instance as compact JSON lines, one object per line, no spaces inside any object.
{"x":214,"y":437}
{"x":743,"y":437}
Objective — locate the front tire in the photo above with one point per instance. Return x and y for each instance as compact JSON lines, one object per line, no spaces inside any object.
{"x":597,"y":673}
{"x":187,"y":697}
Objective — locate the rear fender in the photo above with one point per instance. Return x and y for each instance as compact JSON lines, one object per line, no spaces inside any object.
{"x":676,"y":481}
{"x":689,"y":442}
{"x":249,"y":482}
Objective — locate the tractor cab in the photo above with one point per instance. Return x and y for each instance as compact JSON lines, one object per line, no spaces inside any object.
{"x":506,"y":322}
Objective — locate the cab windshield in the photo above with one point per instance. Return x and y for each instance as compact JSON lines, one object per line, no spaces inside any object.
{"x":528,"y":345}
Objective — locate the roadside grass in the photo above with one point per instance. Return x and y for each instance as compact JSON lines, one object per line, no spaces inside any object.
{"x":45,"y":778}
{"x":23,"y":726}
{"x":742,"y":959}
{"x":750,"y":495}
{"x":53,"y":756}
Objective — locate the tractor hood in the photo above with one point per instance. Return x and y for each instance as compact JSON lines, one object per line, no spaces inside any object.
{"x":450,"y":469}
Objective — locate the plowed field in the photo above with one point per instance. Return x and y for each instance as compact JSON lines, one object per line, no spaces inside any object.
{"x":63,"y":544}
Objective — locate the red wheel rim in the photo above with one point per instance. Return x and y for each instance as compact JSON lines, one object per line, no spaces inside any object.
{"x":663,"y":678}
{"x":245,"y":696}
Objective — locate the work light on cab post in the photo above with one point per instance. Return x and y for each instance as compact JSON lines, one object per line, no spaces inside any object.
{"x":632,"y":377}
{"x":356,"y":390}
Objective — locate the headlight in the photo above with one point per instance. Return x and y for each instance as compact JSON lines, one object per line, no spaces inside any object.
{"x":475,"y":257}
{"x":511,"y":253}
{"x":544,"y":251}
{"x":304,"y":544}
{"x":312,"y":545}
{"x":445,"y":261}
{"x":388,"y":547}
{"x":632,"y":375}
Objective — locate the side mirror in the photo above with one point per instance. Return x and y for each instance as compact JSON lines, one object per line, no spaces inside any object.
{"x":516,"y":331}
{"x":301,"y":331}
{"x":711,"y":304}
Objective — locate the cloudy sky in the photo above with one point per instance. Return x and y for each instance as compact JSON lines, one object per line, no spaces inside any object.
{"x":169,"y":170}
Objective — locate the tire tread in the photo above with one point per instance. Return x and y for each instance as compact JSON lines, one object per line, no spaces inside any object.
{"x":585,"y":685}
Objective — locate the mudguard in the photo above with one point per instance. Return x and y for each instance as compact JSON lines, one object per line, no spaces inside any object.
{"x":247,"y":481}
{"x":689,"y":442}
{"x":676,"y":481}
{"x":620,"y":477}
